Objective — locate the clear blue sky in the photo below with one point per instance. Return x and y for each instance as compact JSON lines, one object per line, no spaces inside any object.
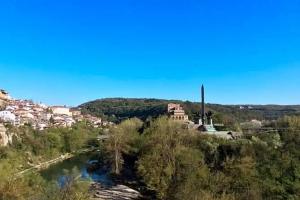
{"x":71,"y":51}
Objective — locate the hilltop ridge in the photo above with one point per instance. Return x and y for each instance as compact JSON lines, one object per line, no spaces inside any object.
{"x":117,"y":109}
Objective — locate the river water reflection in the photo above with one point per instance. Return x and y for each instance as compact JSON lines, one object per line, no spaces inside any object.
{"x":77,"y":167}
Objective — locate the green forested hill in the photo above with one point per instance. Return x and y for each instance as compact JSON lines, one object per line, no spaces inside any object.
{"x":117,"y":109}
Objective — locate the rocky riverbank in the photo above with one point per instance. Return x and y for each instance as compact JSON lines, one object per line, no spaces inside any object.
{"x":117,"y":192}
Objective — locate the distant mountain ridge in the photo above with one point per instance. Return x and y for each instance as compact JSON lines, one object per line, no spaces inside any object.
{"x":117,"y":109}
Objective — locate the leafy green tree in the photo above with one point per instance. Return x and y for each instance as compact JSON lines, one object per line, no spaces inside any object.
{"x":157,"y":164}
{"x":121,"y":140}
{"x":190,"y":179}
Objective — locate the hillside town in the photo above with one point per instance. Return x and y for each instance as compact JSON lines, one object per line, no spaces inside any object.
{"x":40,"y":116}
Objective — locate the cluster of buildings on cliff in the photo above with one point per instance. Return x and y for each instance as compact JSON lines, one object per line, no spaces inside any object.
{"x":40,"y":116}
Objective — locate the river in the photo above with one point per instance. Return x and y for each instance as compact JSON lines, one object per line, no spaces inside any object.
{"x":77,"y":166}
{"x":103,"y":185}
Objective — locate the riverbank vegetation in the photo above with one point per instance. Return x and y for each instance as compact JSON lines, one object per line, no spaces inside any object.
{"x":178,"y":163}
{"x":34,"y":187}
{"x":31,"y":147}
{"x":123,"y":139}
{"x":164,"y":157}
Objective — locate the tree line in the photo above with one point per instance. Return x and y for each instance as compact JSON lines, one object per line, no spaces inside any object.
{"x":119,"y":109}
{"x":30,"y":147}
{"x":178,"y":163}
{"x":170,"y":160}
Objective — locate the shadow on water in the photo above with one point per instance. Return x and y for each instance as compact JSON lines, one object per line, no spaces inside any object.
{"x":83,"y":166}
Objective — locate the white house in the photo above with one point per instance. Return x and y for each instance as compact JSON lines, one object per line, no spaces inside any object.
{"x":7,"y":116}
{"x":61,"y":110}
{"x":28,"y":116}
{"x":43,"y":106}
{"x":11,"y":108}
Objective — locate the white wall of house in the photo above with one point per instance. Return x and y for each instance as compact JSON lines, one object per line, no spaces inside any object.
{"x":7,"y":116}
{"x":61,"y":111}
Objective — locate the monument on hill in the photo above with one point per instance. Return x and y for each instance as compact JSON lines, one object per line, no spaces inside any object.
{"x":202,"y":106}
{"x":206,"y":123}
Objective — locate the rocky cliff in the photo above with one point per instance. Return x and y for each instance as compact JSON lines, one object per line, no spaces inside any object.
{"x":5,"y":138}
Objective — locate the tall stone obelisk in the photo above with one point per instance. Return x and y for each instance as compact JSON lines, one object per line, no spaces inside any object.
{"x":202,"y":106}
